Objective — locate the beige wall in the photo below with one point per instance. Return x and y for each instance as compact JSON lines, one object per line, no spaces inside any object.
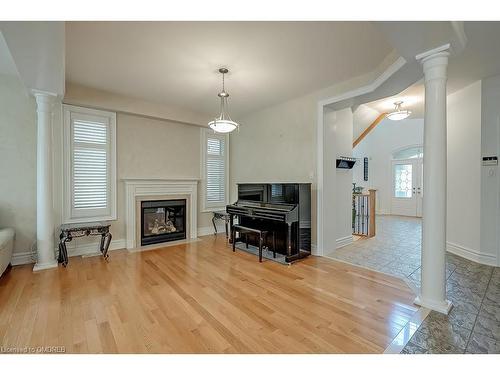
{"x":93,"y":98}
{"x":152,"y":148}
{"x":279,"y":143}
{"x":148,"y":148}
{"x":17,"y":162}
{"x":276,"y":145}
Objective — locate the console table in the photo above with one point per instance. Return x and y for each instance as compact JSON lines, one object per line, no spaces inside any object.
{"x":70,"y":231}
{"x":220,"y":215}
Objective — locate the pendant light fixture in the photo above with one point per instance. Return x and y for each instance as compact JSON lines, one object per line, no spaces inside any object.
{"x":223,"y":123}
{"x":398,"y":113}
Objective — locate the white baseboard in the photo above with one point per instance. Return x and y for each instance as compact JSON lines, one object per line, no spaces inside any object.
{"x":77,"y":250}
{"x":344,"y":241}
{"x":22,"y":258}
{"x":92,"y":248}
{"x":471,"y":254}
{"x":205,"y":231}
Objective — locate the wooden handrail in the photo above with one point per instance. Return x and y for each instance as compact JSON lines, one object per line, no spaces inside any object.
{"x":369,"y":129}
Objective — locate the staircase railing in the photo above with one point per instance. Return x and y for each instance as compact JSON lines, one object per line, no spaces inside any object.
{"x":363,"y":214}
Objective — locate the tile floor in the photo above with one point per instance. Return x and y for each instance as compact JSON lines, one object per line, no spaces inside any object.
{"x":473,"y":325}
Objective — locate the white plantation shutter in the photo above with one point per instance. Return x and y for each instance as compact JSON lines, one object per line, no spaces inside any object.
{"x":90,"y":169}
{"x":215,"y":160}
{"x":90,"y":165}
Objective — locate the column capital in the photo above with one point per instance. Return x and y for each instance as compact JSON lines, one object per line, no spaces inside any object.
{"x":434,"y":62}
{"x":44,"y":100}
{"x":445,"y":48}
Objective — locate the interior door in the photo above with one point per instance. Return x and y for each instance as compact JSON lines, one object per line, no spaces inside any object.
{"x":407,"y":187}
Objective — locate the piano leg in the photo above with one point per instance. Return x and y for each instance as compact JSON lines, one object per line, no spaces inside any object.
{"x":274,"y":245}
{"x":231,"y":228}
{"x":260,"y":248}
{"x":233,"y":235}
{"x":289,"y":240}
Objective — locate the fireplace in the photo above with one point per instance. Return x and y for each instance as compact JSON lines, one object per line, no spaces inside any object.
{"x":163,"y":221}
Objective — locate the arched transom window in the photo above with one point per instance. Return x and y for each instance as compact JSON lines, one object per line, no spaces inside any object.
{"x":413,"y":152}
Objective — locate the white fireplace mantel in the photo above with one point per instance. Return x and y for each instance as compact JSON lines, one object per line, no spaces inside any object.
{"x":135,"y":188}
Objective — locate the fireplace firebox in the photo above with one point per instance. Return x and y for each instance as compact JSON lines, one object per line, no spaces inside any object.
{"x":163,"y":221}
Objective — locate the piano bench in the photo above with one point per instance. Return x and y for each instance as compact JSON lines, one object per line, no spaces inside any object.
{"x":261,"y":233}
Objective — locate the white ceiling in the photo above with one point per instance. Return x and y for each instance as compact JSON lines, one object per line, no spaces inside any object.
{"x":7,"y":65}
{"x":412,"y":98}
{"x":176,"y":62}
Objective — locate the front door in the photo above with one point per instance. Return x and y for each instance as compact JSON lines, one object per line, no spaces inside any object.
{"x":407,"y":189}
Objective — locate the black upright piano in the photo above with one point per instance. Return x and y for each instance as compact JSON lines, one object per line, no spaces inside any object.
{"x":284,"y":208}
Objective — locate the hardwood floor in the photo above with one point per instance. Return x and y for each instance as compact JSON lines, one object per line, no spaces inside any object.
{"x":202,"y":298}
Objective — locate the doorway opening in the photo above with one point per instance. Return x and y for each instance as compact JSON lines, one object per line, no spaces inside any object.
{"x":407,"y":181}
{"x":389,"y":160}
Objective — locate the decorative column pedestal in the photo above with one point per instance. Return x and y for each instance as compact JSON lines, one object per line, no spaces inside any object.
{"x":44,"y":202}
{"x":433,"y":286}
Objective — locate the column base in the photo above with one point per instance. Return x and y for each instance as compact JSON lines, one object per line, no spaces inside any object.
{"x":45,"y":266}
{"x":443,"y":307}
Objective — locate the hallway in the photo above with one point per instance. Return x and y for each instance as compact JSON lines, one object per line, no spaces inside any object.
{"x":395,"y":249}
{"x":473,"y":325}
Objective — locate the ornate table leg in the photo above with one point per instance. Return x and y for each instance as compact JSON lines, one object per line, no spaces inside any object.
{"x":105,"y":242}
{"x":215,"y":226}
{"x":103,"y":239}
{"x":63,"y":251}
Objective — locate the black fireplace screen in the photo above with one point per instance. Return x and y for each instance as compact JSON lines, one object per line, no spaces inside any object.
{"x":163,"y":221}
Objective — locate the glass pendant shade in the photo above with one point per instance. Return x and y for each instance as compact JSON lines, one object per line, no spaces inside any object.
{"x":398,"y":113}
{"x":222,"y":126}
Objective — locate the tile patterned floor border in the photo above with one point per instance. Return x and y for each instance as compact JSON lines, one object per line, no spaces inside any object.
{"x":473,"y":325}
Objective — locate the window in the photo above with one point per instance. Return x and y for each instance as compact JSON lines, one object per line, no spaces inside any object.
{"x":403,"y":180}
{"x":413,"y":152}
{"x":215,"y":169}
{"x":89,"y":165}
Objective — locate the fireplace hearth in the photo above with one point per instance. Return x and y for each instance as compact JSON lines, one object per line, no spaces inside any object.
{"x":163,"y":221}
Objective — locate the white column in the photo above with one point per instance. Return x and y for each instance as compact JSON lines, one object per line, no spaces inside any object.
{"x":433,"y":286}
{"x":44,"y":202}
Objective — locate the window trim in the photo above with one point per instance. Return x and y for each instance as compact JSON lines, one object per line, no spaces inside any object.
{"x":68,"y":216}
{"x":205,"y":206}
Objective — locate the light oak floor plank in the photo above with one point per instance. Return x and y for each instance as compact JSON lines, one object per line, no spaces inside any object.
{"x":200,"y":297}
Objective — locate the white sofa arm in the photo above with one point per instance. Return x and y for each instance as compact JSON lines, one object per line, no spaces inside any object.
{"x":6,"y":246}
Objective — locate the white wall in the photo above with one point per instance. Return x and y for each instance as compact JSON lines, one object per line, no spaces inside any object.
{"x":337,"y":203}
{"x":472,"y":195}
{"x":17,"y":162}
{"x":379,"y":146}
{"x":363,"y":117}
{"x":490,"y":183}
{"x":464,"y":171}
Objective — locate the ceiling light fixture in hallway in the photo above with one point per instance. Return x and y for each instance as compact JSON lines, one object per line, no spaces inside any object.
{"x":398,"y":113}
